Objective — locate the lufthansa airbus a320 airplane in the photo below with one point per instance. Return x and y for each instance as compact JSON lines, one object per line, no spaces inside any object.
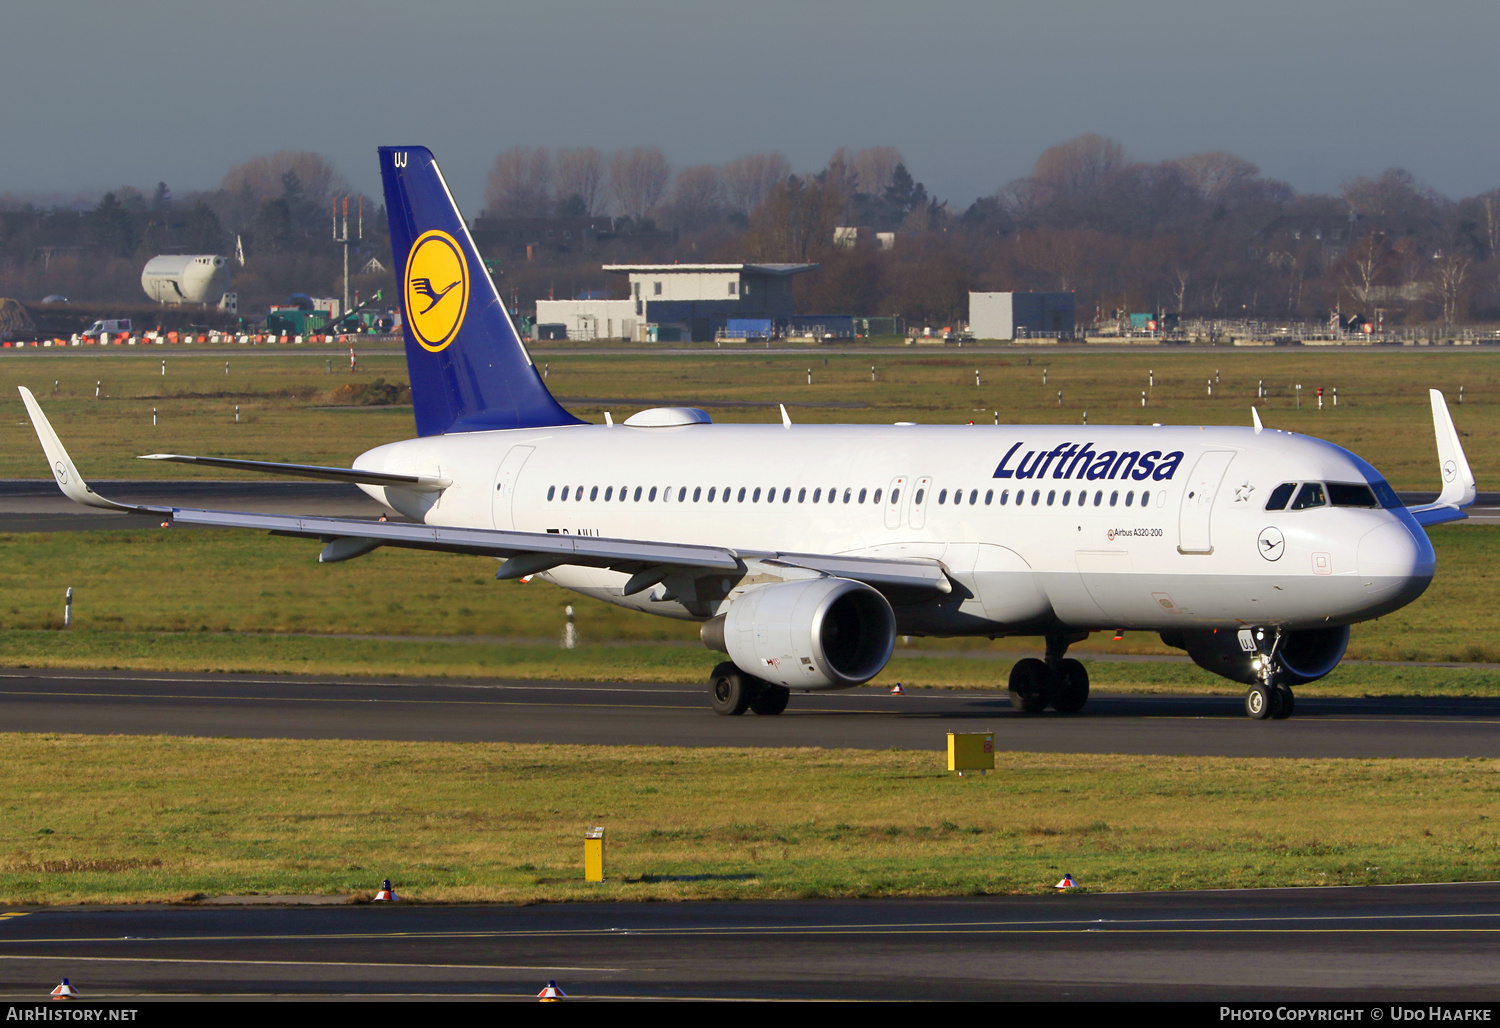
{"x":804,"y":551}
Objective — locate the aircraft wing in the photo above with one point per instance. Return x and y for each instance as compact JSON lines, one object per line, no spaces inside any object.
{"x":523,"y":553}
{"x":530,"y":553}
{"x":1459,"y":487}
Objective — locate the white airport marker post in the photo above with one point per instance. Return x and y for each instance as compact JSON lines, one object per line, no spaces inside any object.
{"x":1044,"y":376}
{"x":1210,"y":389}
{"x":153,"y":415}
{"x":163,"y":369}
{"x":96,"y":390}
{"x":1460,"y":394}
{"x":68,"y":607}
{"x":1151,"y":379}
{"x":236,"y":414}
{"x":976,"y":376}
{"x":226,"y":368}
{"x":809,"y":376}
{"x":872,"y":378}
{"x":1143,"y":398}
{"x":1335,"y":396}
{"x":1299,"y":395}
{"x":570,"y":629}
{"x":1059,"y":397}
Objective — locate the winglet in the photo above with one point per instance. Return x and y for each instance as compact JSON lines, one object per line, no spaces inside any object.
{"x":1459,"y":488}
{"x":67,"y":476}
{"x":786,"y":419}
{"x":1255,"y":417}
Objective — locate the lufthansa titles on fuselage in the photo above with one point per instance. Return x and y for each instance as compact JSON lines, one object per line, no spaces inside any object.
{"x":1075,"y":461}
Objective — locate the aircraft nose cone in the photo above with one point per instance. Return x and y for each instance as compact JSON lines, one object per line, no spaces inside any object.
{"x":1396,"y":563}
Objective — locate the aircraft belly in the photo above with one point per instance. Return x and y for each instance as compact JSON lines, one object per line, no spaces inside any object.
{"x":1157,"y":602}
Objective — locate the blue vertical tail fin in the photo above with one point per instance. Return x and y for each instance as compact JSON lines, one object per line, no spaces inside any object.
{"x":469,"y":370}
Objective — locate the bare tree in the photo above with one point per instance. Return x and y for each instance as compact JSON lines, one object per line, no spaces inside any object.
{"x":873,"y":167}
{"x":264,"y":177}
{"x":697,"y":197}
{"x":1217,"y":174}
{"x":520,"y":184}
{"x":1449,"y":272}
{"x":748,"y":180}
{"x":1490,"y":205}
{"x":1362,"y":266}
{"x":1179,"y":287}
{"x":580,"y":172}
{"x":796,"y":220}
{"x":637,"y":180}
{"x":1079,"y":168}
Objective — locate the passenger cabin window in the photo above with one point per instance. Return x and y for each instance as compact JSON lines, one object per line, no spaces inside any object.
{"x":920,"y":493}
{"x":989,"y":494}
{"x":1310,"y":495}
{"x":801,"y":495}
{"x":1280,"y":495}
{"x":876,"y":497}
{"x":1348,"y":494}
{"x":943,"y":497}
{"x":551,"y":491}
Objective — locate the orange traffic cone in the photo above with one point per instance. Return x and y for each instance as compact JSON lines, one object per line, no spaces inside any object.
{"x":896,"y":690}
{"x":551,"y":994}
{"x":386,"y":893}
{"x":1066,"y":883}
{"x":65,"y":991}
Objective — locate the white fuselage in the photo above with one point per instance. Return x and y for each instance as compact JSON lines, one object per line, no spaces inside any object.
{"x":1172,"y":531}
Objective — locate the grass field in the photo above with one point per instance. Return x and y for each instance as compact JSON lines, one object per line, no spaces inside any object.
{"x":135,"y":819}
{"x":285,"y":398}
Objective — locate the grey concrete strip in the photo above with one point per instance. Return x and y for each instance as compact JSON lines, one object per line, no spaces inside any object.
{"x":613,"y":713}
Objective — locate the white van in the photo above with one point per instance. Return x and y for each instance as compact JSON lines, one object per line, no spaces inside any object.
{"x":107,"y":328}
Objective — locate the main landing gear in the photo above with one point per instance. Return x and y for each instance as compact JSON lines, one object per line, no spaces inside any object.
{"x":735,"y":692}
{"x":1271,"y":697}
{"x":1059,"y":682}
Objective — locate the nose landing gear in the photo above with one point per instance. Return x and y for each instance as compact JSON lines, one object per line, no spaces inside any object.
{"x":1271,"y":697}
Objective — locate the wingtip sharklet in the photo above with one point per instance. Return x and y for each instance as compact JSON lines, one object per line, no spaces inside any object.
{"x":1459,"y":486}
{"x":64,"y":472}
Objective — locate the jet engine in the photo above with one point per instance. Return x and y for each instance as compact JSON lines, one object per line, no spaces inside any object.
{"x":1302,"y":656}
{"x":822,"y":633}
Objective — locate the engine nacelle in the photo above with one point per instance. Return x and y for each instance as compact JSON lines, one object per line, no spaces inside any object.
{"x":822,"y":633}
{"x":1305,"y":656}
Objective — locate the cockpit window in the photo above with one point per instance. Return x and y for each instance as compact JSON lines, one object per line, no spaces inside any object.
{"x":1310,"y":495}
{"x":1280,"y":495}
{"x":1348,"y":494}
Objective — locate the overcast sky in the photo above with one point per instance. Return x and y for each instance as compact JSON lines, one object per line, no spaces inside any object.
{"x":100,"y":94}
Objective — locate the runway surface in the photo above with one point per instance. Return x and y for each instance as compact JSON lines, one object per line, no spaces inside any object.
{"x":610,"y":713}
{"x":1378,"y":943}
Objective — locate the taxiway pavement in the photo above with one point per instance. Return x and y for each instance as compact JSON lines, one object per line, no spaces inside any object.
{"x":625,"y":713}
{"x":1413,"y":943}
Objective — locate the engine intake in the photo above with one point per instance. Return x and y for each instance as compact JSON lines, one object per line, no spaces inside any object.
{"x":1305,"y":656}
{"x":823,"y":633}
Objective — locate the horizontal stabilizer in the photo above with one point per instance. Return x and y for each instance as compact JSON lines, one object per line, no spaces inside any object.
{"x":352,"y":475}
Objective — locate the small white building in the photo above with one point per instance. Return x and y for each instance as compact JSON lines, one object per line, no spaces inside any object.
{"x":679,"y":302}
{"x":592,"y":319}
{"x":1020,"y":315}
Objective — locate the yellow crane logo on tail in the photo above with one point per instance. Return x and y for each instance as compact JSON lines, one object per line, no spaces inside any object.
{"x":437,"y":289}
